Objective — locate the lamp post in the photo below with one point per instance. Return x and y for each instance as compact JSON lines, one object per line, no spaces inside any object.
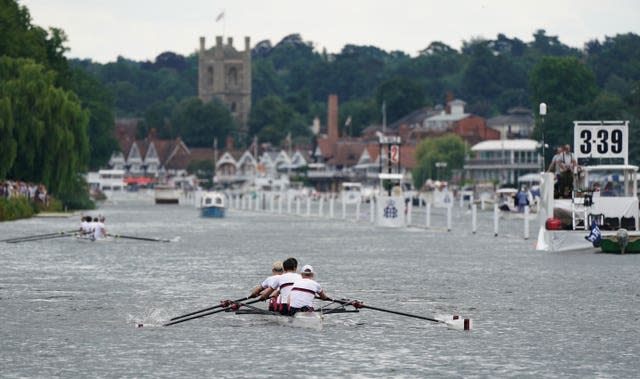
{"x":542,"y":112}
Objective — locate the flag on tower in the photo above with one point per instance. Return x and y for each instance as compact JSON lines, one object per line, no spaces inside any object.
{"x":220,"y":16}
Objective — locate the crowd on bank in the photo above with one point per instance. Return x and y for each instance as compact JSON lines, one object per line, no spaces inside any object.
{"x":33,"y":192}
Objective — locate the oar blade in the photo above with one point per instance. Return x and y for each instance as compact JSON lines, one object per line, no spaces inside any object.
{"x":233,"y":305}
{"x":223,"y":304}
{"x":455,"y":322}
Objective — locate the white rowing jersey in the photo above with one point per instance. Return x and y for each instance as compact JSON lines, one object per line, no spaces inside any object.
{"x":86,"y":228}
{"x":98,"y":230}
{"x":303,"y":292}
{"x":267,"y":282}
{"x":284,"y":283}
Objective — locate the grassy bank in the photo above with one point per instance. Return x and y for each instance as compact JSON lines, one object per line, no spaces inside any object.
{"x":20,"y":207}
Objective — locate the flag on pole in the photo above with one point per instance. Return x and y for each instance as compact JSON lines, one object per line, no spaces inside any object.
{"x":347,"y":121}
{"x":220,"y":16}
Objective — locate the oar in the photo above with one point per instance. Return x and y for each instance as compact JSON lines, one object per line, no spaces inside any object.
{"x":138,"y":238}
{"x":36,"y":236}
{"x":223,"y":304}
{"x":358,"y":304}
{"x":59,"y":235}
{"x":238,"y":305}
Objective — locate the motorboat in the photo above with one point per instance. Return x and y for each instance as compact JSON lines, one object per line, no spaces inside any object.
{"x":213,"y":204}
{"x":602,"y":211}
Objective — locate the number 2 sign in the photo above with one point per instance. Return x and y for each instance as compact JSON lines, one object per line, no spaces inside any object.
{"x":601,"y":139}
{"x":395,"y":153}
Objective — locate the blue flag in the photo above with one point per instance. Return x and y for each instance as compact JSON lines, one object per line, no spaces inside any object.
{"x":594,"y":236}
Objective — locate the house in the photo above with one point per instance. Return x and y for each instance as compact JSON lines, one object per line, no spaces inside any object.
{"x":503,"y":160}
{"x":519,"y":122}
{"x":150,"y":156}
{"x":438,"y":121}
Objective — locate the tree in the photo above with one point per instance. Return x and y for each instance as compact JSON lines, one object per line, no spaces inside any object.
{"x":158,"y":116}
{"x":449,"y":148}
{"x":50,"y":126}
{"x":99,"y":102}
{"x":362,"y":113}
{"x":20,"y":39}
{"x":564,"y":84}
{"x":617,"y":59}
{"x":546,"y":45}
{"x":198,"y":123}
{"x":400,"y":96}
{"x":488,"y":75}
{"x":271,"y":119}
{"x":8,"y":144}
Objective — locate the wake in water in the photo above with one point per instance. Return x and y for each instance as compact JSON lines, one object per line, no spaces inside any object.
{"x":152,"y":317}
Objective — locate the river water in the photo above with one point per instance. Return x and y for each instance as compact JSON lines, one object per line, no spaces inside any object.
{"x":69,"y":308}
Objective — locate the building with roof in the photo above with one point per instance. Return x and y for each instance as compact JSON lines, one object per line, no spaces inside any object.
{"x":150,"y":156}
{"x":435,"y":122}
{"x":519,"y":122}
{"x":503,"y":160}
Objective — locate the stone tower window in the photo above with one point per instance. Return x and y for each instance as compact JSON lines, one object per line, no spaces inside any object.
{"x":232,"y":77}
{"x":233,"y":107}
{"x":210,"y":75}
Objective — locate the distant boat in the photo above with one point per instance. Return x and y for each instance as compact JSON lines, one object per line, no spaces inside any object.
{"x":213,"y":204}
{"x":164,"y":194}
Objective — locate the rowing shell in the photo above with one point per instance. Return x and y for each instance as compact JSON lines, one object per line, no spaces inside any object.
{"x":84,"y":238}
{"x":305,"y":320}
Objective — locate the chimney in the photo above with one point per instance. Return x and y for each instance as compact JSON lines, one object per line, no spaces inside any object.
{"x":332,"y":118}
{"x":230,"y":41}
{"x":449,"y":100}
{"x":229,"y":143}
{"x":201,"y":43}
{"x":152,"y":134}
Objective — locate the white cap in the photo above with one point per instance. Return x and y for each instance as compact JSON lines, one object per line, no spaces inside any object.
{"x":307,"y":269}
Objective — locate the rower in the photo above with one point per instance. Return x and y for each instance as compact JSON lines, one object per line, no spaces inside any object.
{"x":304,"y":291}
{"x":282,"y":284}
{"x":85,"y":227}
{"x":276,"y":270}
{"x":99,"y":230}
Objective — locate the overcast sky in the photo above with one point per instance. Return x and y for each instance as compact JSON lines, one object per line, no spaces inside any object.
{"x":142,"y":29}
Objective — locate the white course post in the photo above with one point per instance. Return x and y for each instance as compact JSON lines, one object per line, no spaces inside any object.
{"x":495,"y":219}
{"x":526,"y":222}
{"x":474,"y":218}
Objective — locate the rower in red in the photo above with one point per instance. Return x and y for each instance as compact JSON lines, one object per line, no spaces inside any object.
{"x":282,"y":285}
{"x":276,"y":270}
{"x":304,"y":291}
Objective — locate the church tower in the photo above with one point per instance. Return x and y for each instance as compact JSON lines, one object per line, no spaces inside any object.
{"x":225,"y":73}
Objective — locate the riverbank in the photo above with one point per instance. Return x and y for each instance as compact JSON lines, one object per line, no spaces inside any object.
{"x":19,"y":207}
